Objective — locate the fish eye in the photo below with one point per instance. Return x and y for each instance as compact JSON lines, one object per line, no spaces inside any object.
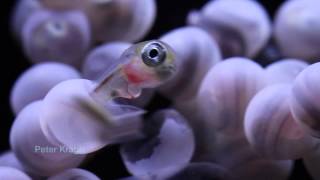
{"x":153,"y":54}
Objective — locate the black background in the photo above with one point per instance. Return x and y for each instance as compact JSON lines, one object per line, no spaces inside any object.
{"x":107,"y":163}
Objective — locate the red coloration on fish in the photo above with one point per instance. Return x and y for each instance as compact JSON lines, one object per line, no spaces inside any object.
{"x":134,"y":75}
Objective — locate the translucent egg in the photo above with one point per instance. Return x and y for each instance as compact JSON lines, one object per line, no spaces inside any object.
{"x":242,"y":28}
{"x":56,"y":36}
{"x":166,"y":149}
{"x":297,"y":29}
{"x":226,"y":91}
{"x":304,"y":100}
{"x":37,"y":155}
{"x":120,"y":20}
{"x":270,"y":127}
{"x":35,"y":83}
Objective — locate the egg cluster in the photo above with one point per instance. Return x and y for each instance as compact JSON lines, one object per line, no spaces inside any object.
{"x":229,"y":117}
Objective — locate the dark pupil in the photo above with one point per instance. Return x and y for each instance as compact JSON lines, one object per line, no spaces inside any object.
{"x":153,"y":53}
{"x":57,"y":25}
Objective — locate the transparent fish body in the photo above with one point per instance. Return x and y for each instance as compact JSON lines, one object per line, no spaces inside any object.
{"x":81,"y":115}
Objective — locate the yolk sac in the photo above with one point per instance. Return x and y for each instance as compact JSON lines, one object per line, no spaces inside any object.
{"x":37,"y":155}
{"x":167,"y":148}
{"x":271,"y":129}
{"x":203,"y":171}
{"x":36,"y":82}
{"x":56,"y":36}
{"x":284,"y":71}
{"x":74,"y":174}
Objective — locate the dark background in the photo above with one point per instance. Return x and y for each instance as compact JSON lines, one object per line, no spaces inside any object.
{"x":107,"y":163}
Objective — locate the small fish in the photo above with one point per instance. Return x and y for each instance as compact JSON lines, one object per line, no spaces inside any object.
{"x":144,"y":65}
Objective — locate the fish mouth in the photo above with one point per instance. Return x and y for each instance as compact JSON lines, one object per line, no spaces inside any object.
{"x":133,"y":91}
